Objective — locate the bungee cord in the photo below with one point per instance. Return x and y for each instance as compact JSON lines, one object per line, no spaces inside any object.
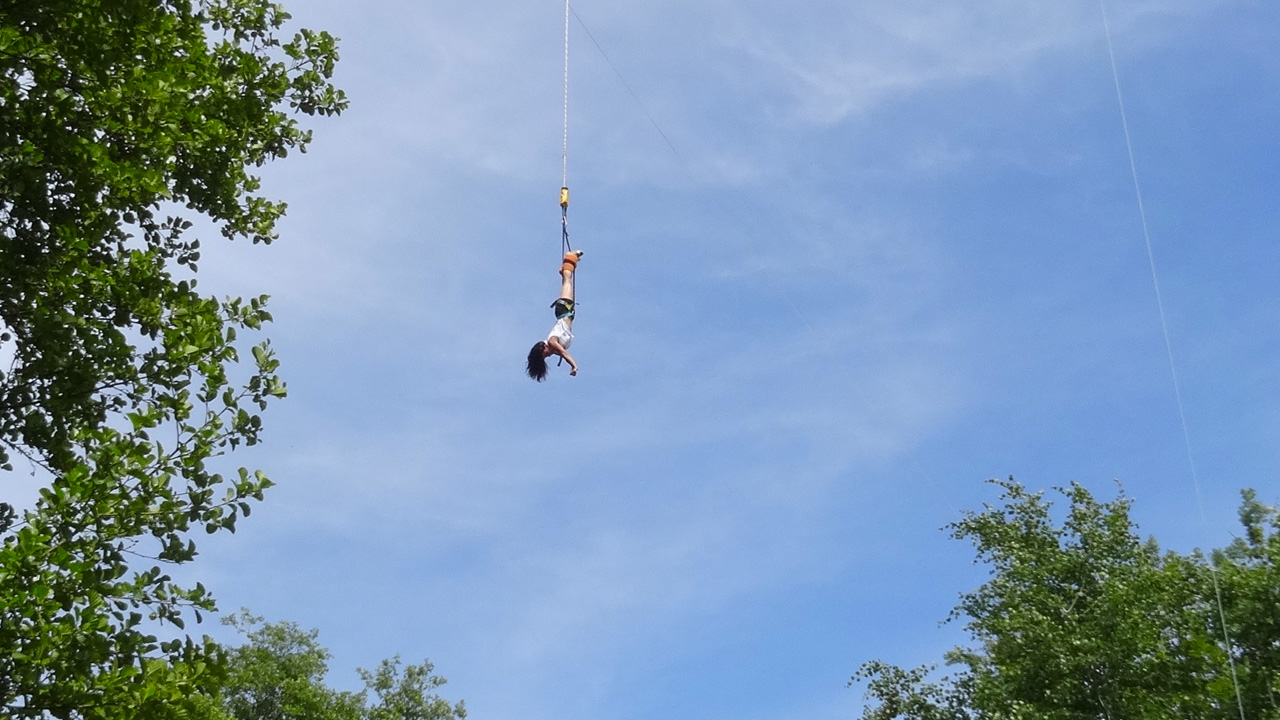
{"x":565,"y":247}
{"x":564,"y":153}
{"x":1168,"y":345}
{"x":689,"y":171}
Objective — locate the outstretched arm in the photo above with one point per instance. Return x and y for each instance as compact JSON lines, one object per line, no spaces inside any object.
{"x":558,"y":349}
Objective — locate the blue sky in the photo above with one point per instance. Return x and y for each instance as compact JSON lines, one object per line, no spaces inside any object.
{"x":894,"y":252}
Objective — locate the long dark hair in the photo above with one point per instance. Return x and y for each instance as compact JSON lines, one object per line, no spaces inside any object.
{"x":537,"y":365}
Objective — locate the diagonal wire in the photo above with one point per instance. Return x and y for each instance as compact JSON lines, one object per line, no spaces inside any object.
{"x":625,"y":84}
{"x":688,"y":168}
{"x":1168,"y":345}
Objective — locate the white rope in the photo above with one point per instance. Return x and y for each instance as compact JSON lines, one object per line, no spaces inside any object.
{"x":1168,"y":346}
{"x":564,"y":154}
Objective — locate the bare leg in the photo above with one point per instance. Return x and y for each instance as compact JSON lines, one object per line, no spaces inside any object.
{"x":566,"y":284}
{"x":567,"y":269}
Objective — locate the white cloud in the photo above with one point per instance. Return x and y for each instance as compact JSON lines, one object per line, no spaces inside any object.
{"x":865,"y":54}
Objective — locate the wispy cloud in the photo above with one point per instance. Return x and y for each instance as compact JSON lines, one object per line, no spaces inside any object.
{"x":865,"y":54}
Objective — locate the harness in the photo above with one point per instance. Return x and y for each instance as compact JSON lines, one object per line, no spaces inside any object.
{"x":563,"y":308}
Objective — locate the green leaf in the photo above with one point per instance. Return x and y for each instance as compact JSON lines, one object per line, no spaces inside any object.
{"x":112,"y":113}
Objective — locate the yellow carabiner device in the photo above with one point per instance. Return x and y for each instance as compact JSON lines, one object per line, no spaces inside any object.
{"x":564,"y":197}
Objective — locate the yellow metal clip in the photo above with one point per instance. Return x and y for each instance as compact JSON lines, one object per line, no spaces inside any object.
{"x":564,"y":197}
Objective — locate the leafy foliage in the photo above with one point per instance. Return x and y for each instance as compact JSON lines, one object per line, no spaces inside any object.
{"x":279,"y":675}
{"x":408,"y":694}
{"x":121,"y":384}
{"x":1249,"y":576}
{"x":1083,"y":619}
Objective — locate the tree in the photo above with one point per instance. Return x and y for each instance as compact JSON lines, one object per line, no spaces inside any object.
{"x":120,"y":122}
{"x":407,"y":695}
{"x":1249,"y":580}
{"x":1083,"y":619}
{"x":279,"y":674}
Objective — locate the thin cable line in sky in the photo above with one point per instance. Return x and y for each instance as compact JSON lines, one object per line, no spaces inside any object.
{"x":1168,"y":345}
{"x":625,"y":84}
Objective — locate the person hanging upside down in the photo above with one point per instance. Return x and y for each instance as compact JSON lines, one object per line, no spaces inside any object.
{"x":561,"y":335}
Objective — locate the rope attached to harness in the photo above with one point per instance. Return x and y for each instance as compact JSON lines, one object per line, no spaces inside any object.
{"x":564,"y":221}
{"x":564,"y":153}
{"x":565,"y":246}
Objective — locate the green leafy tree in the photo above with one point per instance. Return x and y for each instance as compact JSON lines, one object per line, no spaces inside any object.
{"x":1084,"y":619}
{"x":279,"y":674}
{"x":120,"y":123}
{"x":408,"y":694}
{"x":1249,"y":579}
